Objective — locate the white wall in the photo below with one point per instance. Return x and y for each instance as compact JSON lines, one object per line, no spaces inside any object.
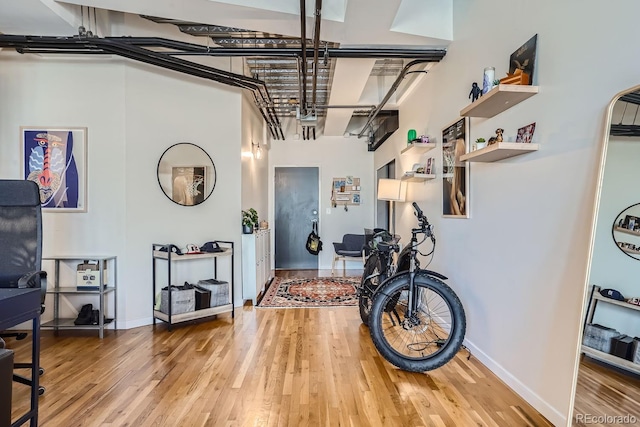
{"x":336,"y":157}
{"x":62,"y":92}
{"x":611,"y":268}
{"x":133,"y":113}
{"x":522,"y":254}
{"x":255,"y":172}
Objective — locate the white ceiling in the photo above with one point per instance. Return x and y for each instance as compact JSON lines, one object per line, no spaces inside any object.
{"x":352,"y":23}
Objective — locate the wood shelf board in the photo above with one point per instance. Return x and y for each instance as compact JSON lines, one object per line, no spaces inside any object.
{"x":627,"y":231}
{"x":193,"y":315}
{"x":598,"y":296}
{"x":418,"y":148}
{"x":499,"y":151}
{"x":67,"y":323}
{"x":498,"y":99}
{"x":185,"y":257}
{"x":419,"y":177}
{"x":610,"y":358}
{"x":74,"y":290}
{"x":79,"y":257}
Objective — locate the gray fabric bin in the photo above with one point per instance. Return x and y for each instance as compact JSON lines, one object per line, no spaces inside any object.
{"x":182,"y":301}
{"x":219,"y":291}
{"x":599,"y":337}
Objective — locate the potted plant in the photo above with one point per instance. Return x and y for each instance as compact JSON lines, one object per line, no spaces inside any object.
{"x":480,"y":143}
{"x":249,"y":220}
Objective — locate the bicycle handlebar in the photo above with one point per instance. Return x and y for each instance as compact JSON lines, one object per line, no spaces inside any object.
{"x":424,"y":222}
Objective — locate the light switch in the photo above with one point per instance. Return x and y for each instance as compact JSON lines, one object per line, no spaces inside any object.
{"x":328,"y":211}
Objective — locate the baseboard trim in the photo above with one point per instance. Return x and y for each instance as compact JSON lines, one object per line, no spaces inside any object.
{"x":552,"y":414}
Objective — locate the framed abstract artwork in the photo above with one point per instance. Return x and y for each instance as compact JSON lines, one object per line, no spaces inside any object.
{"x":55,"y":158}
{"x":455,"y":173}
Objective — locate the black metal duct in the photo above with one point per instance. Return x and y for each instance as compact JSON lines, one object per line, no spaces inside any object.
{"x":140,"y":49}
{"x":185,"y":49}
{"x":116,"y":46}
{"x":391,"y":91}
{"x":625,"y":130}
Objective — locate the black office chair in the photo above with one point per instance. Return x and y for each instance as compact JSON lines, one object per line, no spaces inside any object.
{"x":21,"y":248}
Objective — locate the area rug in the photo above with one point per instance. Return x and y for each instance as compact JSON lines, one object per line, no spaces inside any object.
{"x":311,"y":292}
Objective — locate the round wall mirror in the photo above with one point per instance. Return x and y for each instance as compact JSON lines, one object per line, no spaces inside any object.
{"x":626,"y":231}
{"x":186,"y":174}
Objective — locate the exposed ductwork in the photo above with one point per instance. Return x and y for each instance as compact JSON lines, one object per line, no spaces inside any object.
{"x":272,"y":84}
{"x":391,"y":91}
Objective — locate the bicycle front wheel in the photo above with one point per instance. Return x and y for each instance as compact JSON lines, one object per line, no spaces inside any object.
{"x":429,"y":337}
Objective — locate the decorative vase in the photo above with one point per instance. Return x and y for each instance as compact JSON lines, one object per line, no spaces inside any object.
{"x":487,"y":81}
{"x":411,"y":136}
{"x":481,"y":145}
{"x":247,"y":229}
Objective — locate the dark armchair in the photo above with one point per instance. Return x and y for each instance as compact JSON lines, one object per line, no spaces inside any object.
{"x":352,"y":246}
{"x":21,"y":248}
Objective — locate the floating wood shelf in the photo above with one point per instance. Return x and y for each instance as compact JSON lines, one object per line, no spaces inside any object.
{"x":499,"y":151}
{"x":419,"y":177}
{"x":498,"y":99}
{"x":418,"y":148}
{"x":610,"y":358}
{"x":627,"y":231}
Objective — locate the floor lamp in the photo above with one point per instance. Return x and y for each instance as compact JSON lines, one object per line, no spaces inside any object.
{"x":392,"y":190}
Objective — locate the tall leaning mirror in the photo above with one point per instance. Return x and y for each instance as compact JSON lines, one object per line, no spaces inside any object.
{"x":608,"y":385}
{"x":186,"y":174}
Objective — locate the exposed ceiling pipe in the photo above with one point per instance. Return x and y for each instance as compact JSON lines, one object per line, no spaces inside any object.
{"x":63,"y":44}
{"x":391,"y":91}
{"x":316,"y":48}
{"x":115,"y":46}
{"x":303,"y":48}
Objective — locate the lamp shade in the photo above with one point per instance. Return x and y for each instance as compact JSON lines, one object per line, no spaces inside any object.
{"x":391,"y":189}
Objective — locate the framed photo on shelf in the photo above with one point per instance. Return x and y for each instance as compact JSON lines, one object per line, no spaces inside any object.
{"x":524,"y":58}
{"x":525,"y":134}
{"x":455,"y":173}
{"x":55,"y":158}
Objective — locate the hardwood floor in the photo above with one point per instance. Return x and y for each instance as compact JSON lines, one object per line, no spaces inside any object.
{"x":605,"y":392}
{"x":266,"y":367}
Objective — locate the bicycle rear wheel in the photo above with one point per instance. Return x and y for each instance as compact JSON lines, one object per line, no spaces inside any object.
{"x":372,"y":266}
{"x":430,"y":337}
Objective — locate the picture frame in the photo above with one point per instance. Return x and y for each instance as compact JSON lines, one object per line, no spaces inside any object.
{"x":188,"y":184}
{"x":55,"y":158}
{"x":524,"y":58}
{"x":525,"y":133}
{"x":455,"y":173}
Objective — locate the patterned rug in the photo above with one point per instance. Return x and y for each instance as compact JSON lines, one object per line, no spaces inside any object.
{"x":311,"y":292}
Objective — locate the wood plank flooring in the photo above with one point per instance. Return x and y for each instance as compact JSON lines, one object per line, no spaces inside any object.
{"x":605,"y":392}
{"x":266,"y":367}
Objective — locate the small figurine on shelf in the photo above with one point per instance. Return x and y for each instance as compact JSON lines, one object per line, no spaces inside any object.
{"x":475,"y":92}
{"x":497,"y":138}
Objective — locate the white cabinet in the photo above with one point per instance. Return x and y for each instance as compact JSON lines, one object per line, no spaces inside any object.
{"x":256,"y":264}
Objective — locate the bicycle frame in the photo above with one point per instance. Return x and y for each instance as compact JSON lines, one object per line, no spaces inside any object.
{"x":410,"y":255}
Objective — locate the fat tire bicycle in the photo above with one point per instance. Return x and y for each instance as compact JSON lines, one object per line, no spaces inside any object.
{"x":416,"y":320}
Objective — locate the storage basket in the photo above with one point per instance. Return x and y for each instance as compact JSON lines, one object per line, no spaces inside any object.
{"x":182,"y":300}
{"x":636,"y":351}
{"x":219,"y":291}
{"x":599,"y":337}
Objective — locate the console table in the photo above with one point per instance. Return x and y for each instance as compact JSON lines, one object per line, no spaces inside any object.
{"x":17,"y":306}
